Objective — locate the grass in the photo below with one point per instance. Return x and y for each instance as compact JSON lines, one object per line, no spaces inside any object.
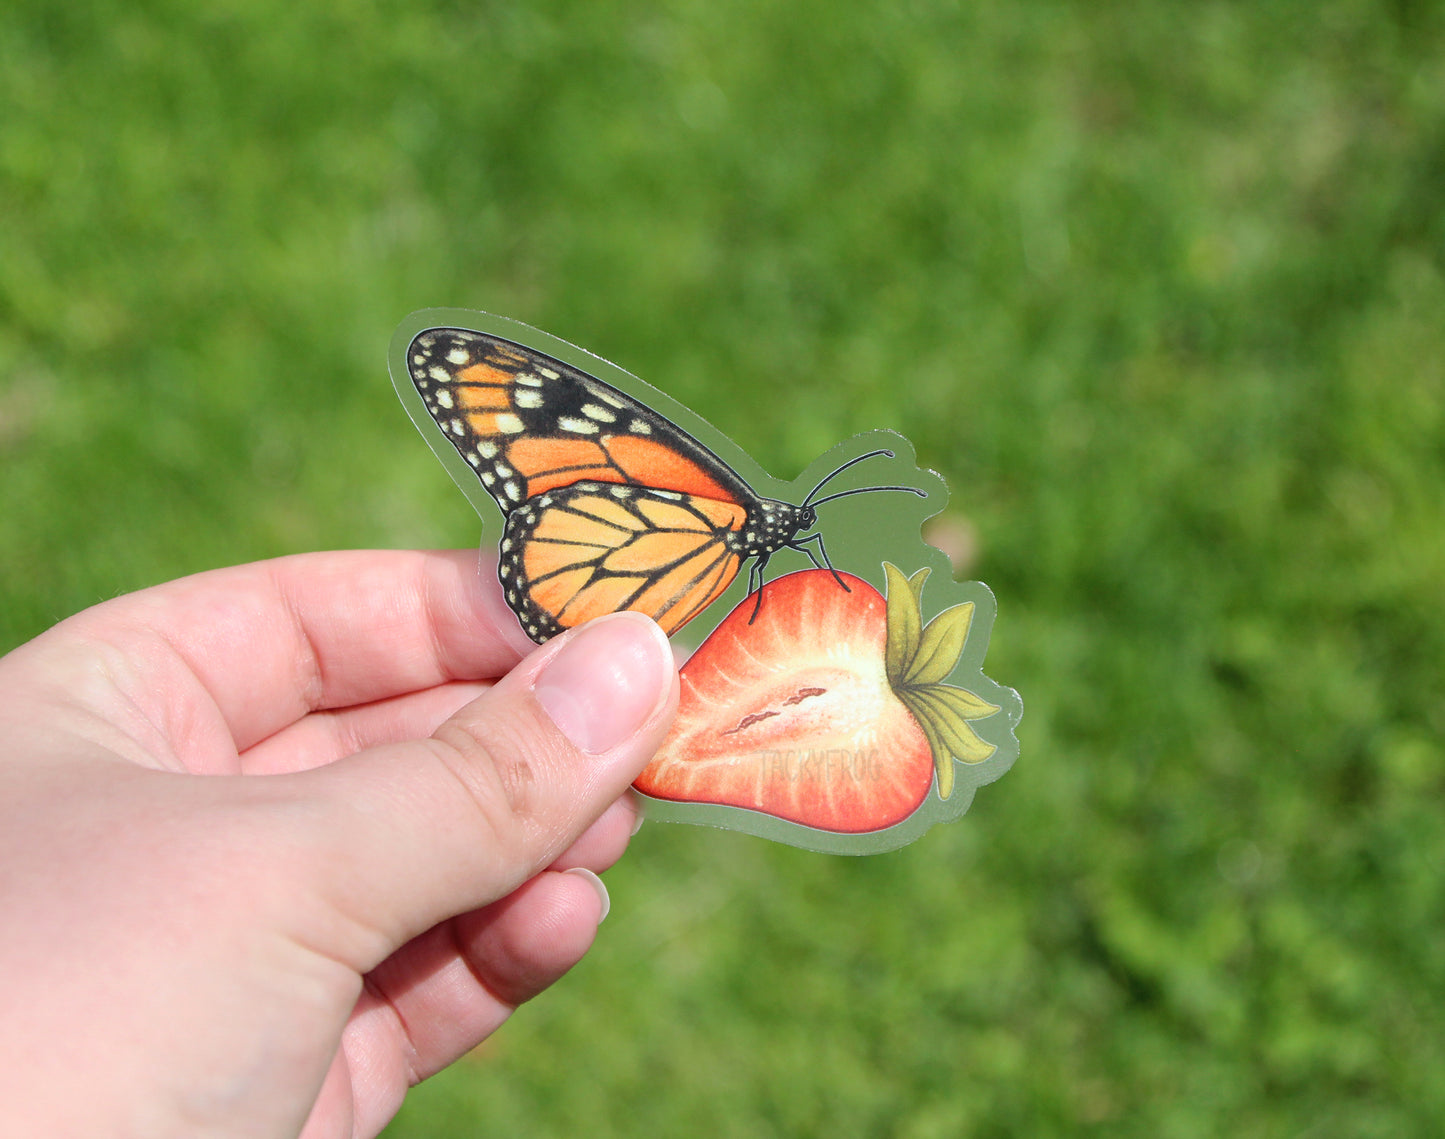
{"x":1159,"y":288}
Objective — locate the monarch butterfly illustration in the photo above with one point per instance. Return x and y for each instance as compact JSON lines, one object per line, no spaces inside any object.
{"x":608,"y":505}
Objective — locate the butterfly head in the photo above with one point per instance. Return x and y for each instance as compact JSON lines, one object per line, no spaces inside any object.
{"x":772,"y":525}
{"x":793,"y":521}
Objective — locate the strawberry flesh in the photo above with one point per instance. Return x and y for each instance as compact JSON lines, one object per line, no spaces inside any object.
{"x":792,"y":714}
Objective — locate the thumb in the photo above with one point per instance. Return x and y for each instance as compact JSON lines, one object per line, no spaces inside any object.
{"x":418,"y":832}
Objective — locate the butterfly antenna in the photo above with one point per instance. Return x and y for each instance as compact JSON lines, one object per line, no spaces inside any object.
{"x":866,"y":490}
{"x":850,"y":463}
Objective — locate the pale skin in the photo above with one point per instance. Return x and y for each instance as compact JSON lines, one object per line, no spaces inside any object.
{"x":278,"y":841}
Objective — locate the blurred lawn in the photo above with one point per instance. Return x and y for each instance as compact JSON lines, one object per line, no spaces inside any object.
{"x":1159,"y":287}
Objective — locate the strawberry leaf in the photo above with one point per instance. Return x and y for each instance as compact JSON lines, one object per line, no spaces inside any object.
{"x":904,"y":624}
{"x":915,"y":583}
{"x":940,"y":645}
{"x":942,"y":757}
{"x":963,"y":703}
{"x":936,"y":705}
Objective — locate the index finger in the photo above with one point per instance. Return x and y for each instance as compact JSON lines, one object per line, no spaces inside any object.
{"x":271,"y":641}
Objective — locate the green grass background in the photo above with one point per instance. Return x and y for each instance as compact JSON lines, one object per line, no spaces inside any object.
{"x":1159,"y":287}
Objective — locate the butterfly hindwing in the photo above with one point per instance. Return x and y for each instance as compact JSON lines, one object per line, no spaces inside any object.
{"x":592,"y":548}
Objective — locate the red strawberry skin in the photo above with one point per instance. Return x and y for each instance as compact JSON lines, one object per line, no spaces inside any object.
{"x":793,"y":715}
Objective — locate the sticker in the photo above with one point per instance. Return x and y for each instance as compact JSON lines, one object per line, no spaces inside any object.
{"x":834,"y":695}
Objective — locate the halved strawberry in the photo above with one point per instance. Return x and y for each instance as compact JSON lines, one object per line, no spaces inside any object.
{"x":828,"y":709}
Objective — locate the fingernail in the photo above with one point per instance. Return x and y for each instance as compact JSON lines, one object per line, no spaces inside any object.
{"x":606,"y":681}
{"x":639,"y":810}
{"x":597,"y":884}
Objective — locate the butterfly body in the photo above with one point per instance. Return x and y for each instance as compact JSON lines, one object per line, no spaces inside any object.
{"x":608,"y":505}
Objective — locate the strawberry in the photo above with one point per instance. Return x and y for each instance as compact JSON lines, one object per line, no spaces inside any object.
{"x":826,"y":707}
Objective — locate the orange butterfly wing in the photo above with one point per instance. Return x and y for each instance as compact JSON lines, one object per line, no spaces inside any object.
{"x":533,"y":423}
{"x":593,"y":548}
{"x":609,"y":506}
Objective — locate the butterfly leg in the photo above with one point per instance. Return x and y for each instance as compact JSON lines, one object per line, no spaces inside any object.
{"x":755,"y":574}
{"x":826,"y":563}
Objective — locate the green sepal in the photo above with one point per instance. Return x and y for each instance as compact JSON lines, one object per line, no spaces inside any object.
{"x":944,"y":710}
{"x":963,"y":703}
{"x":942,"y":758}
{"x":940,"y":645}
{"x":904,"y":624}
{"x":915,"y":583}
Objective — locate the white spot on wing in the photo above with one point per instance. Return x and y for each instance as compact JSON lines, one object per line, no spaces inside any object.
{"x":637,"y":427}
{"x":592,"y":411}
{"x":607,"y":397}
{"x":527,"y":398}
{"x":548,"y":372}
{"x":438,"y":373}
{"x":579,"y":426}
{"x":458,"y":356}
{"x":512,"y":491}
{"x":487,"y":449}
{"x":444,"y":399}
{"x":529,"y":380}
{"x":508,"y":424}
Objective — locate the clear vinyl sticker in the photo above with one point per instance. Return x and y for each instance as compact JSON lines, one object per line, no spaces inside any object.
{"x":833,"y":694}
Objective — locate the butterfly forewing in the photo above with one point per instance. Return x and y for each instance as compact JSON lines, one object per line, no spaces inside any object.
{"x":528,"y":423}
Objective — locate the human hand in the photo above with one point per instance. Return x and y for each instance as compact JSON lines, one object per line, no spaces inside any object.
{"x":278,"y":841}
